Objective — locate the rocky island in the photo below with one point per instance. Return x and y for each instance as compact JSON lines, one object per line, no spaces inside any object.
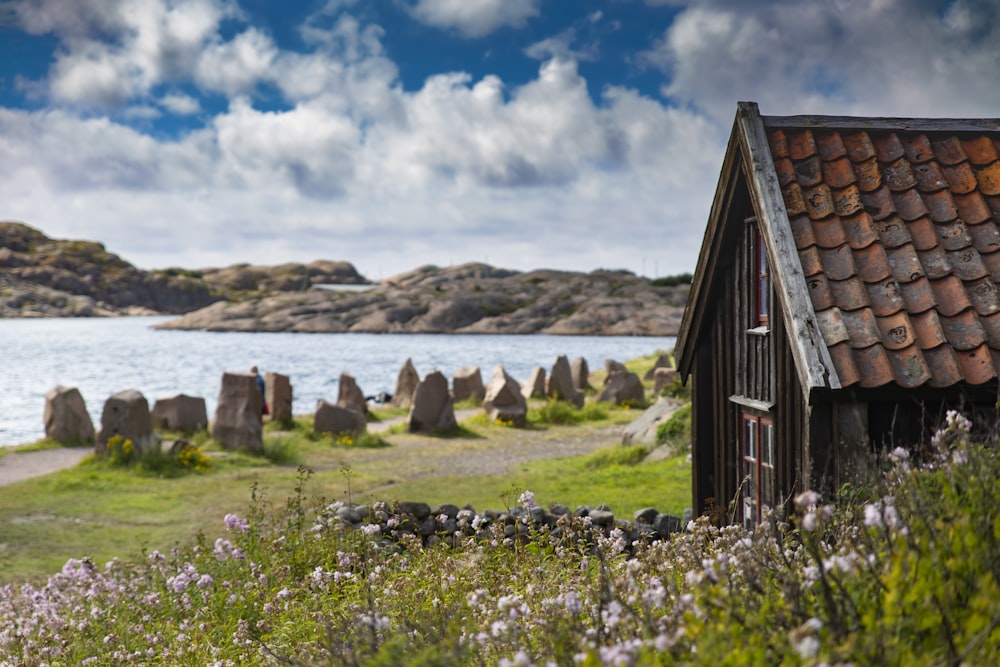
{"x":42,"y":277}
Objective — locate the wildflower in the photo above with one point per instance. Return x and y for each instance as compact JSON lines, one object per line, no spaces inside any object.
{"x":527,"y":500}
{"x":873,"y":516}
{"x":806,"y":500}
{"x":371,"y":529}
{"x":204,"y":581}
{"x":804,"y":640}
{"x":234,"y":522}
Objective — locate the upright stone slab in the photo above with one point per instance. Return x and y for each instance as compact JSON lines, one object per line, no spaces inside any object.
{"x":560,"y":384}
{"x":623,"y":388}
{"x":468,"y":383}
{"x":432,"y":408}
{"x":663,"y":378}
{"x":126,"y":414}
{"x":406,"y":384}
{"x":662,"y":361}
{"x":349,"y":394}
{"x":580,"y":372}
{"x":66,"y":418}
{"x":338,"y":419}
{"x":535,"y":386}
{"x":612,"y":366}
{"x":504,"y":401}
{"x":180,"y":413}
{"x":278,"y":393}
{"x":237,"y":422}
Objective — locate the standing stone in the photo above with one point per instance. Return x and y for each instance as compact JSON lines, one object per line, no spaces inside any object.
{"x":623,"y":387}
{"x":180,"y":413}
{"x":535,"y":386}
{"x":349,"y":394}
{"x":406,"y":384}
{"x":66,"y":418}
{"x":278,"y":394}
{"x":467,"y":383}
{"x":237,"y":422}
{"x":560,"y":384}
{"x":504,"y":401}
{"x":663,"y":378}
{"x":126,"y":414}
{"x":662,"y":361}
{"x":338,"y":419}
{"x":612,"y":366}
{"x":581,"y":373}
{"x":432,"y":408}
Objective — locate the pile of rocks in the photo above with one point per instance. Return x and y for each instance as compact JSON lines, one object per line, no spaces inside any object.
{"x":389,"y":525}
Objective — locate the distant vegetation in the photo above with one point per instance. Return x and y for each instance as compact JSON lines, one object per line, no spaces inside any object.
{"x":673,"y":281}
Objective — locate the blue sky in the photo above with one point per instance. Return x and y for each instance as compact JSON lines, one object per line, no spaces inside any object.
{"x":570,"y":134}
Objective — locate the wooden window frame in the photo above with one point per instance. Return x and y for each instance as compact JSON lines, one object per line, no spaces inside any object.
{"x":757,"y":459}
{"x":762,"y":281}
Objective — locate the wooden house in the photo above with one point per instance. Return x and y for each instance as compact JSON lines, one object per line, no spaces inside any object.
{"x":846,"y":295}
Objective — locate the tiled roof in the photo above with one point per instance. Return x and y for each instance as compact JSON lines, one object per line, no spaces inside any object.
{"x":897,"y":233}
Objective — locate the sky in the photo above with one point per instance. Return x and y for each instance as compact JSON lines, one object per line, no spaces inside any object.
{"x":563,"y":134}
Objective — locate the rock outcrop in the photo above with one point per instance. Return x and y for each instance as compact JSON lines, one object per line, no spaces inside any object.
{"x":349,"y":394}
{"x":560,"y":385}
{"x":467,"y":383}
{"x":535,"y":386}
{"x":623,"y":388}
{"x":338,"y":419}
{"x":278,"y":394}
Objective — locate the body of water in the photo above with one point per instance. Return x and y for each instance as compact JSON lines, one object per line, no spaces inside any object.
{"x":102,"y":356}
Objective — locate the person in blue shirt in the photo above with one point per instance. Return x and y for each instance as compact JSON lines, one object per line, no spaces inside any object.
{"x":260,"y":386}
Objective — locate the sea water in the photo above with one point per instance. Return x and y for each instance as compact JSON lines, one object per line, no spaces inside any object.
{"x":102,"y":356}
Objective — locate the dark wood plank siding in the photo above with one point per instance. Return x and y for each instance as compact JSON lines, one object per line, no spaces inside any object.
{"x":790,"y":416}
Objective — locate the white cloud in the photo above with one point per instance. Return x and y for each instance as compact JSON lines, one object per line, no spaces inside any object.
{"x":475,"y":18}
{"x":180,"y":104}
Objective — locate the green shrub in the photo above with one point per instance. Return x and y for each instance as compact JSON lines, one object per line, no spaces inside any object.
{"x":676,"y":429}
{"x":152,"y":459}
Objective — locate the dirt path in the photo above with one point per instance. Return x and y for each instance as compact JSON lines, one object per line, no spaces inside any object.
{"x":19,"y":466}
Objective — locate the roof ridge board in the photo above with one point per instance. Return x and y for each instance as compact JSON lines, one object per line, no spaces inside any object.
{"x":991,"y":125}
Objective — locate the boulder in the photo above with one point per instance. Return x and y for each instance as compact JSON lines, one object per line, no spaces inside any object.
{"x":623,"y":388}
{"x":432,"y":408}
{"x":278,"y":394}
{"x":406,"y":384}
{"x":126,"y":414}
{"x":535,"y":386}
{"x":581,"y":373}
{"x":349,"y":394}
{"x":642,"y":430}
{"x":504,"y":401}
{"x":612,"y":366}
{"x":560,"y":383}
{"x":338,"y":419}
{"x":662,"y":361}
{"x":66,"y":418}
{"x":467,"y":383}
{"x":180,"y":413}
{"x":237,"y":421}
{"x":663,"y":378}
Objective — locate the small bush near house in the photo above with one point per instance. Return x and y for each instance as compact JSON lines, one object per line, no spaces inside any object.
{"x":676,"y":430}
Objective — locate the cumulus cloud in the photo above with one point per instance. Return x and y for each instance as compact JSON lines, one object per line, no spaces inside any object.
{"x":180,"y":104}
{"x":474,"y":18}
{"x":893,"y":57}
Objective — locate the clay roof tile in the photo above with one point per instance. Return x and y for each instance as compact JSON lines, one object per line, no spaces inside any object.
{"x":829,"y":145}
{"x":905,"y":263}
{"x":819,"y":201}
{"x":948,"y":150}
{"x":809,"y":171}
{"x":831,"y":325}
{"x":872,"y":263}
{"x":868,"y":175}
{"x":977,"y":365}
{"x":918,"y":148}
{"x":895,"y":331}
{"x":838,"y":263}
{"x":993,"y":204}
{"x":795,"y":201}
{"x":801,"y":144}
{"x":927,"y":329}
{"x":934,"y":263}
{"x":843,"y":361}
{"x":949,"y":293}
{"x":878,"y":203}
{"x":992,"y":262}
{"x":923,"y":233}
{"x":909,"y":204}
{"x":984,"y":296}
{"x":940,"y":205}
{"x":859,"y":230}
{"x":861,"y":327}
{"x":892,"y":232}
{"x":802,"y":231}
{"x":859,"y":146}
{"x":954,"y":235}
{"x":810,"y":260}
{"x":819,"y":292}
{"x":885,"y":297}
{"x":898,"y":175}
{"x":967,"y":264}
{"x":986,"y":237}
{"x":829,"y":232}
{"x":989,"y":179}
{"x":909,"y":367}
{"x":839,"y":173}
{"x":778,"y":143}
{"x":849,"y":294}
{"x":945,"y":369}
{"x":785,"y":170}
{"x":929,"y":177}
{"x":917,"y":295}
{"x":887,"y":146}
{"x":873,"y":366}
{"x":847,"y":201}
{"x":991,"y":323}
{"x":960,"y":178}
{"x":963,"y":331}
{"x":980,"y":150}
{"x":972,"y":207}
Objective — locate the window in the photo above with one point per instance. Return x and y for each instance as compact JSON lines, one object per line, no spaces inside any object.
{"x":763,"y":279}
{"x":758,"y":467}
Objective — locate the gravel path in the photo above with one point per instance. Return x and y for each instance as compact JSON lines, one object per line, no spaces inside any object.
{"x":25,"y":465}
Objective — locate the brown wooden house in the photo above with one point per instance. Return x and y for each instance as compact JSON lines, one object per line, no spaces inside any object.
{"x":846,"y":295}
